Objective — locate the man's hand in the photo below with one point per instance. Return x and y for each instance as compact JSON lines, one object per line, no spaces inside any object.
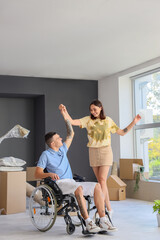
{"x":39,"y":174}
{"x":54,"y":176}
{"x":70,"y":132}
{"x":62,"y":108}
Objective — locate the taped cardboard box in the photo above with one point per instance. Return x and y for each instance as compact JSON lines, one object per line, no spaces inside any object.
{"x":116,"y":188}
{"x":13,"y":192}
{"x":30,"y":175}
{"x":30,"y":171}
{"x":127,"y":167}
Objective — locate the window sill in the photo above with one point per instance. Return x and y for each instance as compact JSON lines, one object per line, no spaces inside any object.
{"x":153,"y":181}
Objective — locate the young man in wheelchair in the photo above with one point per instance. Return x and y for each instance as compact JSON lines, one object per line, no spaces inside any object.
{"x":55,"y":160}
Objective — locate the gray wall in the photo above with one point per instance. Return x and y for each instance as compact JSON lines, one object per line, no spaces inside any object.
{"x":40,"y":97}
{"x":15,"y":111}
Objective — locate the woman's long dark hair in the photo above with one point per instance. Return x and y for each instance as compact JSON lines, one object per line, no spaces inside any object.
{"x":98,"y":104}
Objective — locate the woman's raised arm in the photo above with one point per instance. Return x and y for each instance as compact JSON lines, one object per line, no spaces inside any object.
{"x":129,"y":127}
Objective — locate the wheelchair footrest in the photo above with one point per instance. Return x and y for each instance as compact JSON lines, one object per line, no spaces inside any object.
{"x":103,"y":232}
{"x":85,"y":232}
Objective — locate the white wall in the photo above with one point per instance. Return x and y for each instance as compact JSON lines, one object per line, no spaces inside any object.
{"x":115,"y":92}
{"x":126,"y":116}
{"x":108,"y":92}
{"x":116,"y":95}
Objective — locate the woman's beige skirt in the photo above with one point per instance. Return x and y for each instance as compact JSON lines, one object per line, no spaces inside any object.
{"x":100,"y":156}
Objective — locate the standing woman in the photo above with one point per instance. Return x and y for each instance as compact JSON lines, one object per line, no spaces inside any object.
{"x":99,"y":128}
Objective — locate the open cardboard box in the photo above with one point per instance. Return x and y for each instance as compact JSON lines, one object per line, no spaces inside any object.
{"x":127,"y":170}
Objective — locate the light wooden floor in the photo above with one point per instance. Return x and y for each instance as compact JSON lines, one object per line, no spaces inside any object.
{"x":134,"y":219}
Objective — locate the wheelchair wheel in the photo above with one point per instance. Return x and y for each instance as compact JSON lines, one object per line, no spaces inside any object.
{"x":75,"y":219}
{"x":43,"y":208}
{"x":70,"y":228}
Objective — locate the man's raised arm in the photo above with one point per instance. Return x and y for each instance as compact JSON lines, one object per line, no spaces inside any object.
{"x":70,"y":132}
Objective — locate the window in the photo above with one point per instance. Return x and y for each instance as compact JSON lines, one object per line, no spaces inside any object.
{"x":147,"y":131}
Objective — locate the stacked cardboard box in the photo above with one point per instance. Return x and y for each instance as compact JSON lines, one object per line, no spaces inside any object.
{"x":13,"y":192}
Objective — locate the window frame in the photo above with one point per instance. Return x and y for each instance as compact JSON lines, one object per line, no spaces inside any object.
{"x":146,"y":125}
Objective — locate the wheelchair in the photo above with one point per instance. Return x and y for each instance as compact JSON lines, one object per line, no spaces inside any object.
{"x":47,"y":202}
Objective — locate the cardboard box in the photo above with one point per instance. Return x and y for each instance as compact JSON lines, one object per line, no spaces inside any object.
{"x":30,"y":171}
{"x":144,"y":176}
{"x":116,"y":188}
{"x":127,"y":170}
{"x":30,"y":176}
{"x":13,"y":192}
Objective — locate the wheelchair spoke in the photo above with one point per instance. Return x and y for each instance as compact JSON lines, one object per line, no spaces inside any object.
{"x":43,"y":208}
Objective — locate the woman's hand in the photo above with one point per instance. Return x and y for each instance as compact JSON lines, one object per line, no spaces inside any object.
{"x":129,"y":127}
{"x":137,"y":118}
{"x":64,"y":112}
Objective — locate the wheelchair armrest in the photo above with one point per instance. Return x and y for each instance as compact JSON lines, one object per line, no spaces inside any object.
{"x":53,"y":185}
{"x":78,"y":178}
{"x":47,"y":179}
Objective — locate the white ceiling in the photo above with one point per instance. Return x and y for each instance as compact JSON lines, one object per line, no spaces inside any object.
{"x":81,"y":39}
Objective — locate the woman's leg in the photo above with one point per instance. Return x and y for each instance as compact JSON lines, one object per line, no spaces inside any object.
{"x":99,"y":200}
{"x":101,"y":174}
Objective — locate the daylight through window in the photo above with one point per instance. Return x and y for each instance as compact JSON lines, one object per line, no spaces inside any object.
{"x":147,"y":131}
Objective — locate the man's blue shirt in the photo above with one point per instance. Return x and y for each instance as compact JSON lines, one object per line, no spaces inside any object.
{"x":56,"y":162}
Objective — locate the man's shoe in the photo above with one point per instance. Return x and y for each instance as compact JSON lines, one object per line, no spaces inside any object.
{"x":110,"y":213}
{"x":109,"y":216}
{"x":92,"y":227}
{"x":107,"y":226}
